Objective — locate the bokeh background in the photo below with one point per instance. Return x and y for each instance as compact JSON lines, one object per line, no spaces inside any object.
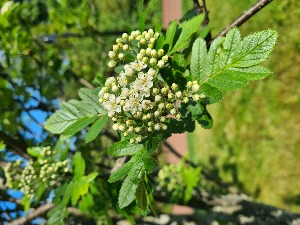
{"x":49,"y":49}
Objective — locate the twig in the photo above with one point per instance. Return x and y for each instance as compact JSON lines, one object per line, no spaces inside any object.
{"x":244,"y":17}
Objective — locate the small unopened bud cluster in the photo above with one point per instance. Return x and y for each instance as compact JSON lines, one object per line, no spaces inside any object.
{"x":136,"y":100}
{"x":10,"y":172}
{"x":45,"y":170}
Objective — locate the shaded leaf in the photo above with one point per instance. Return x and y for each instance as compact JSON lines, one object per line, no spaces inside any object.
{"x":212,"y":94}
{"x":141,"y":196}
{"x":188,"y":28}
{"x":130,"y":184}
{"x":95,"y":129}
{"x":122,"y":148}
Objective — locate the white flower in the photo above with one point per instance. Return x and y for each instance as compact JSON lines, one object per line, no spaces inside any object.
{"x":195,"y":87}
{"x":110,"y":81}
{"x":112,"y":63}
{"x":129,"y":71}
{"x":157,"y":98}
{"x":138,"y":66}
{"x":160,"y":64}
{"x":151,"y":72}
{"x":112,"y":54}
{"x":121,"y":56}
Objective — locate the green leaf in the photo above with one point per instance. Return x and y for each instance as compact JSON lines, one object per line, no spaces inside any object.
{"x":79,"y":125}
{"x":252,"y":73}
{"x":142,"y":15}
{"x":231,"y":42}
{"x":141,"y":196}
{"x":180,"y":61}
{"x":213,"y":56}
{"x":254,"y":48}
{"x":130,"y":184}
{"x":227,"y":81}
{"x":86,"y":203}
{"x":123,"y":171}
{"x":122,"y":148}
{"x":2,"y":146}
{"x":188,"y":28}
{"x":199,"y":60}
{"x":212,"y":94}
{"x":34,"y":151}
{"x":87,"y":95}
{"x":191,"y":177}
{"x":206,"y":121}
{"x":170,"y":34}
{"x":150,"y":164}
{"x":26,"y":202}
{"x":68,"y":193}
{"x":92,"y":176}
{"x":96,"y":128}
{"x":78,"y":166}
{"x":59,"y":121}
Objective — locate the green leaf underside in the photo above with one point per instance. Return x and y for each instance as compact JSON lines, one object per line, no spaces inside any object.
{"x":123,"y":171}
{"x":130,"y":184}
{"x":188,"y":29}
{"x":254,"y":48}
{"x":79,"y":125}
{"x":232,"y":62}
{"x":198,"y":60}
{"x":213,"y":56}
{"x":252,"y":73}
{"x":87,"y":95}
{"x":124,"y":148}
{"x":227,"y":81}
{"x":96,"y":128}
{"x":231,"y":42}
{"x":75,"y":114}
{"x":141,"y":196}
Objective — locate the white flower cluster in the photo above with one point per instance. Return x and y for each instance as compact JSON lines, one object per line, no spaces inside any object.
{"x":47,"y":171}
{"x":137,"y":101}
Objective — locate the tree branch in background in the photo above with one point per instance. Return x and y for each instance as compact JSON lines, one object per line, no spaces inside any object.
{"x":244,"y":17}
{"x":16,"y":146}
{"x":234,"y":208}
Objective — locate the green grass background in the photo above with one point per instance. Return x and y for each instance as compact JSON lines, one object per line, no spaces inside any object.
{"x":255,"y":140}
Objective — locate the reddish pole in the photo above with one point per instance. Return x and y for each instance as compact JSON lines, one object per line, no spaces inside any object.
{"x":171,"y":11}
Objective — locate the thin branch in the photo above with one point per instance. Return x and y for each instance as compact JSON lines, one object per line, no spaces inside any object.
{"x":16,"y":146}
{"x":244,"y":17}
{"x":33,"y":215}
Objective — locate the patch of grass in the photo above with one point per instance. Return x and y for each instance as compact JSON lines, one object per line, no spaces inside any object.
{"x":255,"y":139}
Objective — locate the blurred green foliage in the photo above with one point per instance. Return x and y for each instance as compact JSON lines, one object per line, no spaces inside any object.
{"x":255,"y":138}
